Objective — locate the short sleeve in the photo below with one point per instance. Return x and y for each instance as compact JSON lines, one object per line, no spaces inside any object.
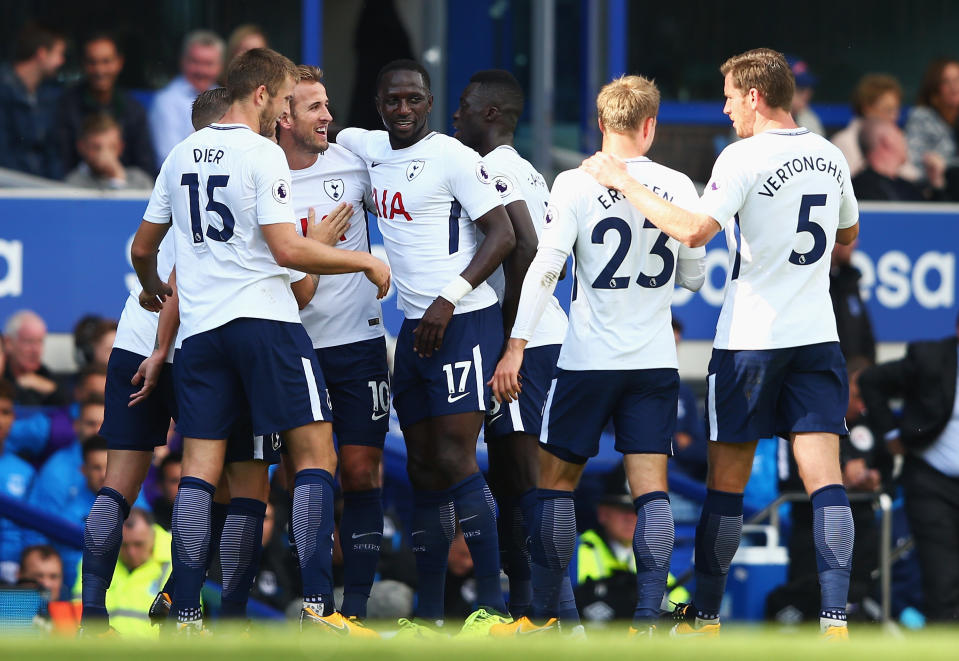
{"x":504,"y":185}
{"x":469,"y":179}
{"x":560,"y":226}
{"x":728,"y":186}
{"x":159,"y":209}
{"x":271,"y":181}
{"x":355,"y":140}
{"x":296,"y":276}
{"x":848,"y":205}
{"x":687,"y":198}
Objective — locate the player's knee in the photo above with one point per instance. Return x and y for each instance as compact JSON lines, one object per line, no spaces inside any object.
{"x":360,"y":474}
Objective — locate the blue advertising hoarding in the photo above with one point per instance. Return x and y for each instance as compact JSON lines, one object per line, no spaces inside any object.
{"x":66,"y":257}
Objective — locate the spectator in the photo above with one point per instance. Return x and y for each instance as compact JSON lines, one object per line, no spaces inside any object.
{"x":143,"y":566}
{"x":200,"y":67}
{"x":246,"y":37}
{"x":16,"y":476}
{"x":97,"y":94}
{"x":83,"y":338}
{"x":802,"y":113}
{"x":852,"y":319}
{"x":603,"y":569}
{"x":884,"y":147}
{"x":877,"y":96}
{"x":65,"y":500}
{"x":28,"y":104}
{"x":101,"y":147}
{"x":41,"y":565}
{"x":168,"y":483}
{"x":103,"y":338}
{"x":689,"y":440}
{"x":928,"y":432}
{"x":931,"y":125}
{"x":24,"y":334}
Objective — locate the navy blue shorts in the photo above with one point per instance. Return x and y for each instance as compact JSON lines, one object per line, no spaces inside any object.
{"x":453,"y":379}
{"x":526,"y":413}
{"x":641,"y":403}
{"x":144,"y":426}
{"x":776,"y":392}
{"x":358,"y":378}
{"x":267,"y":367}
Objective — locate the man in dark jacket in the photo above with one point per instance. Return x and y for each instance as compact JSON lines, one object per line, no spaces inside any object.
{"x":928,"y":432}
{"x":98,"y":94}
{"x":852,"y":318}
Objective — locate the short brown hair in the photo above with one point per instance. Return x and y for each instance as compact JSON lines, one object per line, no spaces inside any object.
{"x":872,"y":86}
{"x":625,"y":103}
{"x":307,"y":73}
{"x":209,"y":107}
{"x":765,"y":70}
{"x":96,"y":124}
{"x":45,"y":551}
{"x":259,"y":66}
{"x":931,"y":80}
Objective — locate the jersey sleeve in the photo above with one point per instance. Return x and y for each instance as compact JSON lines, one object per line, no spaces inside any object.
{"x":468,"y":178}
{"x":728,"y":186}
{"x":353,"y":139}
{"x":271,"y":181}
{"x":505,"y":186}
{"x":560,"y":227}
{"x":159,"y":208}
{"x":296,"y":276}
{"x":848,"y":205}
{"x":687,"y":198}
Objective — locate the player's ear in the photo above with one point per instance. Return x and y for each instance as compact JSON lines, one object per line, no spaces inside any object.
{"x":492,"y":112}
{"x":260,"y":95}
{"x":599,"y":122}
{"x":285,"y":122}
{"x":429,"y":103}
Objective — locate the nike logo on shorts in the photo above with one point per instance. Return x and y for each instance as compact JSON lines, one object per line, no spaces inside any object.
{"x":494,"y":418}
{"x":365,"y":534}
{"x":452,"y":400}
{"x":377,"y":416}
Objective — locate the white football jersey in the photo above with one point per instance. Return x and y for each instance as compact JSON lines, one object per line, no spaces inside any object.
{"x":137,"y":330}
{"x":625,"y":269}
{"x":516,"y":180}
{"x":220,"y":184}
{"x":781,"y":195}
{"x":344,"y":309}
{"x":426,"y":197}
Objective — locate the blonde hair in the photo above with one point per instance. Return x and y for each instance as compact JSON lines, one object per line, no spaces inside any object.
{"x":309,"y":73}
{"x":767,"y":71}
{"x":625,"y":103}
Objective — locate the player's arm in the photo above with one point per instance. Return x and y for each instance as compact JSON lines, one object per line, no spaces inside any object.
{"x":296,"y":252}
{"x":499,"y":241}
{"x":303,"y":286}
{"x":143,"y":256}
{"x":167,"y":326}
{"x":847,"y":235}
{"x":518,"y":260}
{"x":538,"y":286}
{"x":848,"y":228}
{"x":689,"y":228}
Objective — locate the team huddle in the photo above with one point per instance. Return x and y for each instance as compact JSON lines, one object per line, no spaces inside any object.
{"x":258,"y":330}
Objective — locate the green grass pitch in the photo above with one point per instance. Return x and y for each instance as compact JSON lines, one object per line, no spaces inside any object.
{"x":741,"y":643}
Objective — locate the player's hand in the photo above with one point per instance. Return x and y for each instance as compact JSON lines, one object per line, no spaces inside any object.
{"x":154,"y":295}
{"x":148,"y":374}
{"x":428,"y":334}
{"x":607,"y":170}
{"x":378,"y":272}
{"x":506,"y":379}
{"x":331,"y":227}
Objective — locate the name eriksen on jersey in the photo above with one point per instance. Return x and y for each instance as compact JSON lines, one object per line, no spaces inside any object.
{"x":796,"y":166}
{"x":612,"y":196}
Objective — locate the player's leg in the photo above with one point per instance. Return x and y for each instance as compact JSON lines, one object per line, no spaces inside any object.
{"x":359,"y":385}
{"x":242,"y":537}
{"x":742,"y":391}
{"x":812,"y":412}
{"x":645,"y":420}
{"x":131,"y":433}
{"x":314,"y":461}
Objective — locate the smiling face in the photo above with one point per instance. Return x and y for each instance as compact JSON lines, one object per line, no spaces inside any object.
{"x":468,"y":118}
{"x":102,"y":65}
{"x":738,"y":108}
{"x":404,"y":104}
{"x":310,"y":118}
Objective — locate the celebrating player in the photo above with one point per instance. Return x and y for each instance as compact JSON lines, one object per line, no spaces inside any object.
{"x":784,"y":197}
{"x":228,"y":190}
{"x":429,"y":191}
{"x":344,"y":322}
{"x":618,"y":361}
{"x":489,"y":109}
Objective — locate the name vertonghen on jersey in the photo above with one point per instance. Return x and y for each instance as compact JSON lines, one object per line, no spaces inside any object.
{"x":797,"y":166}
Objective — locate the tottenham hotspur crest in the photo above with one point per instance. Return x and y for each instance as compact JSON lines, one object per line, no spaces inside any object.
{"x":413,"y":169}
{"x":334,"y":188}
